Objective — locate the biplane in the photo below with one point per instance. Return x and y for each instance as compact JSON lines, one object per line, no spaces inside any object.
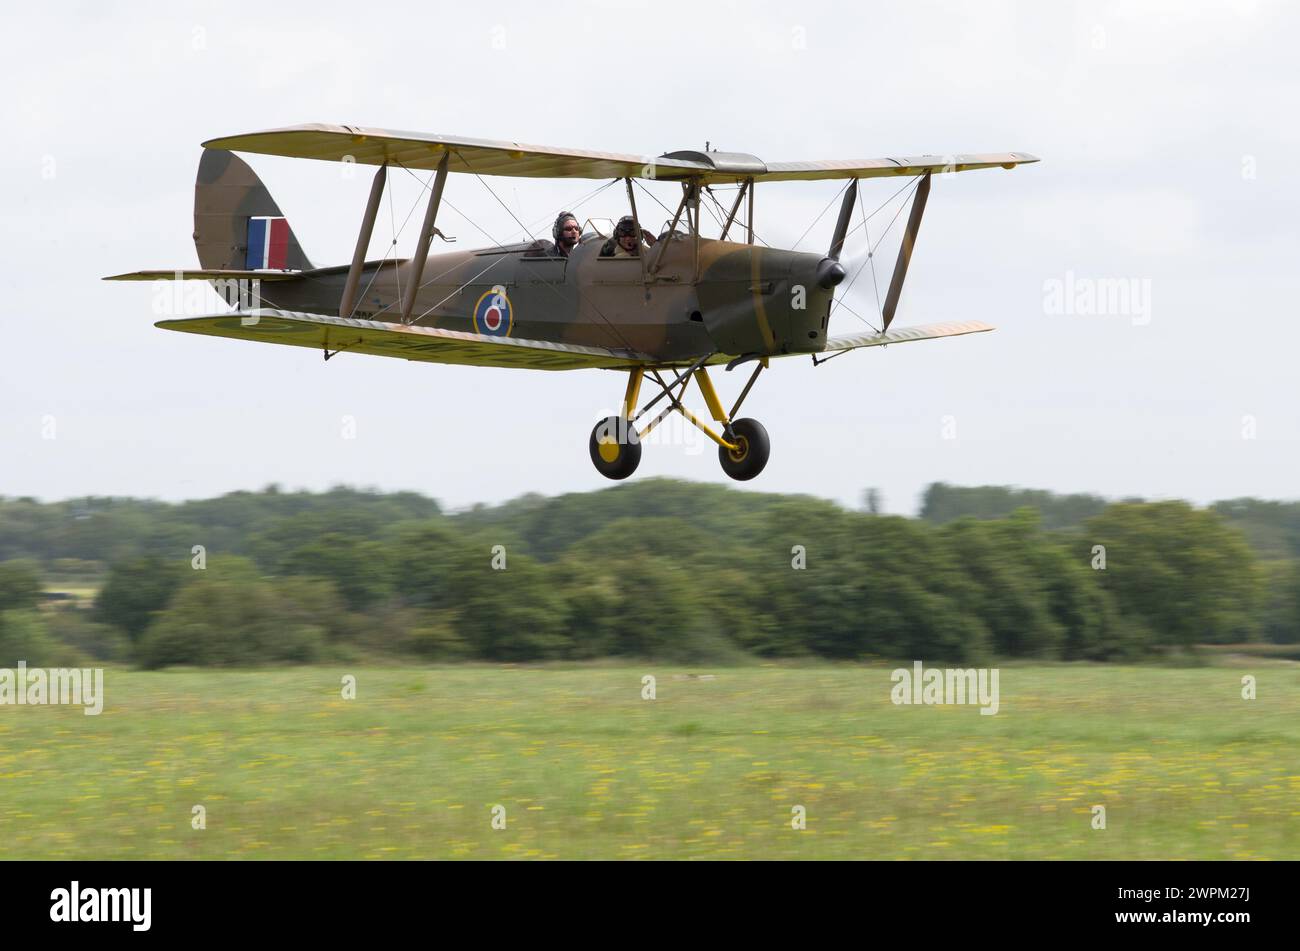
{"x":680,"y":304}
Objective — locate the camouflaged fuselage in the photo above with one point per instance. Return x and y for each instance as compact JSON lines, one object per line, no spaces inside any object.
{"x":747,"y":300}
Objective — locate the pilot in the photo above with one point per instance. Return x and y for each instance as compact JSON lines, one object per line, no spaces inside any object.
{"x":624,"y":243}
{"x":566,"y":233}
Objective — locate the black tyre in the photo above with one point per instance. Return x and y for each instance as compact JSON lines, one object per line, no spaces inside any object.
{"x":615,"y":448}
{"x":749,"y":459}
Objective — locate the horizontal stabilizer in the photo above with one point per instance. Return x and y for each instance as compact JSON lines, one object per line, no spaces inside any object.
{"x":228,"y":274}
{"x":207,"y":274}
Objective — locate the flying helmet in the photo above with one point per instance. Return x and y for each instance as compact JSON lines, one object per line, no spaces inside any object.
{"x":558,"y":228}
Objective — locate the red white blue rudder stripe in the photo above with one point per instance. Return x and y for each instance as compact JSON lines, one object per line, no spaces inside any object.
{"x":268,"y":244}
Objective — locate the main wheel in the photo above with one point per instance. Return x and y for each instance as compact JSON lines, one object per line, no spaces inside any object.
{"x":750,"y":457}
{"x":615,"y":448}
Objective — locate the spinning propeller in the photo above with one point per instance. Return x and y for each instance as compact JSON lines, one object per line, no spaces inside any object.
{"x":830,"y":272}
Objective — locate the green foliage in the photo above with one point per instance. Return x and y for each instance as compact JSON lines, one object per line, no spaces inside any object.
{"x":513,"y":614}
{"x":1272,"y":528}
{"x":1183,"y":572}
{"x":1281,"y":612}
{"x":655,"y":569}
{"x":75,"y":628}
{"x":137,"y":590}
{"x":423,"y":559}
{"x":648,"y":606}
{"x":848,"y":585}
{"x":230,"y":617}
{"x":547,"y":529}
{"x":358,"y":568}
{"x":20,"y":585}
{"x":1009,"y":592}
{"x":113,"y":530}
{"x":429,"y":634}
{"x":24,"y":637}
{"x":944,"y":503}
{"x":1092,"y":626}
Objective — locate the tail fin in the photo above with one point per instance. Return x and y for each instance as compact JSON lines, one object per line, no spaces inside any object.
{"x":237,"y":224}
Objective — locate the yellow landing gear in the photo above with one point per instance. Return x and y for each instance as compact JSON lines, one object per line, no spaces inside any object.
{"x":743,"y":445}
{"x":615,"y":448}
{"x":752,"y":449}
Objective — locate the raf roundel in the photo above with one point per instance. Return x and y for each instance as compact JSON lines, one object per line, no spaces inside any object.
{"x":492,"y":314}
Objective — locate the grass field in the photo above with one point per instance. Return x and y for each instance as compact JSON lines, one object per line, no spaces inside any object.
{"x":585,"y":768}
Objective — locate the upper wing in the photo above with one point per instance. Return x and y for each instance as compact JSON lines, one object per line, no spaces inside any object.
{"x":408,"y":341}
{"x":881,"y":167}
{"x":340,"y":143}
{"x":906,"y":334}
{"x":344,"y":143}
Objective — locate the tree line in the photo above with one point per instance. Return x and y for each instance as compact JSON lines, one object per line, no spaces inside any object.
{"x":653,"y":569}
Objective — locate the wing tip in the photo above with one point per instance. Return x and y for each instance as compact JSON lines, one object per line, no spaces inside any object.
{"x":229,"y":142}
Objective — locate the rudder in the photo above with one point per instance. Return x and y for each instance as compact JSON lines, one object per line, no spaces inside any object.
{"x":233,"y":210}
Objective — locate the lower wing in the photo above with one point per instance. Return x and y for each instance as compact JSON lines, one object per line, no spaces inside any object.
{"x":434,"y":345}
{"x":906,"y":334}
{"x":406,"y":341}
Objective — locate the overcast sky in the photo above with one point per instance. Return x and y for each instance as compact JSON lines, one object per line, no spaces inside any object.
{"x":1168,"y":135}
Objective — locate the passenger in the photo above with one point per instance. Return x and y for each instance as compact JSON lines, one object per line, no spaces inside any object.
{"x":624,"y":243}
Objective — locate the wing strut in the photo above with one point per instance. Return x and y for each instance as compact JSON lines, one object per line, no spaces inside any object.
{"x":749,"y":219}
{"x":636,"y":223}
{"x":905,"y":250}
{"x":363,"y":243}
{"x":426,"y":235}
{"x":735,"y":207}
{"x":842,"y":225}
{"x":693,"y":205}
{"x":659,"y":251}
